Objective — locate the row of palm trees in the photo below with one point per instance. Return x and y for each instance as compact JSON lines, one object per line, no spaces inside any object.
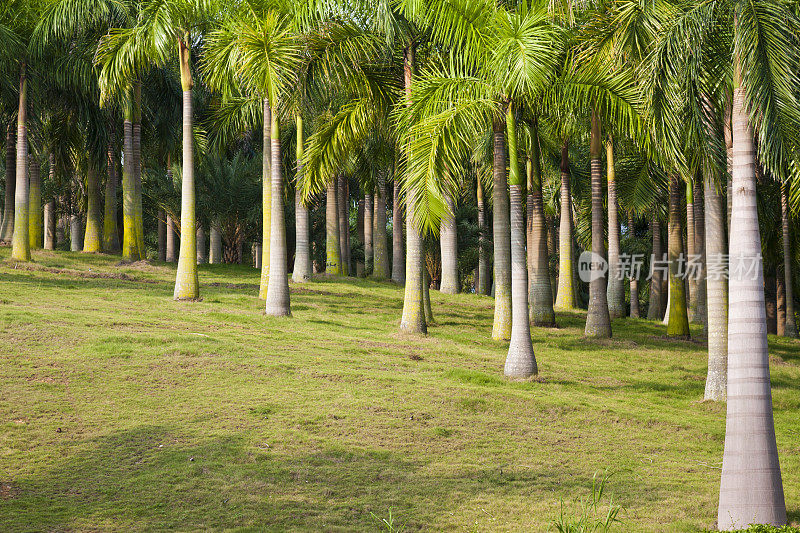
{"x":671,"y":99}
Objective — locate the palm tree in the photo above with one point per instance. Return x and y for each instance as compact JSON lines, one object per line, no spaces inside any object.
{"x":565,"y":294}
{"x":678,"y":325}
{"x":615,"y":290}
{"x":790,"y":328}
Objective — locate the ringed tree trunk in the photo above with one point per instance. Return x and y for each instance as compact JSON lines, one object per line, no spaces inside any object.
{"x":751,"y":489}
{"x":790,"y":328}
{"x":484,"y":284}
{"x":678,"y":323}
{"x":520,"y":361}
{"x":162,"y":235}
{"x":360,"y":233}
{"x":20,"y":243}
{"x":634,"y":279}
{"x":654,"y":309}
{"x":780,"y":308}
{"x":541,"y":292}
{"x":75,"y":233}
{"x":215,"y":244}
{"x":171,"y":239}
{"x":398,"y":254}
{"x":302,"y":253}
{"x":565,"y":295}
{"x":369,"y":257}
{"x":771,"y":300}
{"x":35,"y":228}
{"x":94,"y":230}
{"x":716,"y":292}
{"x":426,"y":292}
{"x":266,"y":197}
{"x":110,"y":232}
{"x":413,"y":319}
{"x":137,"y":167}
{"x":701,"y":311}
{"x":200,"y":235}
{"x":616,"y":288}
{"x":277,"y":303}
{"x":333,"y":263}
{"x":448,"y":239}
{"x":50,"y":225}
{"x":690,"y":284}
{"x":187,"y":286}
{"x":380,"y":267}
{"x":130,"y":249}
{"x":598,"y":320}
{"x":344,"y":224}
{"x":501,"y":329}
{"x":7,"y":230}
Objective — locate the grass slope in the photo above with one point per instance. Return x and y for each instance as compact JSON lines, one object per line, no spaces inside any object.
{"x":122,"y":409}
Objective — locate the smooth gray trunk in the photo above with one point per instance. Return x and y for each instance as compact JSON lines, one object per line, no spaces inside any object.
{"x":50,"y":225}
{"x":448,"y":240}
{"x":7,"y":229}
{"x":75,"y":232}
{"x":162,"y":235}
{"x":790,"y":327}
{"x":215,"y":245}
{"x":200,"y":235}
{"x":171,"y":239}
{"x":700,"y":299}
{"x":565,"y":294}
{"x":380,"y":265}
{"x":369,"y":210}
{"x":278,"y":302}
{"x":541,"y":292}
{"x":654,"y":310}
{"x":484,"y":277}
{"x":302,"y":255}
{"x":598,"y":320}
{"x":716,"y":293}
{"x":344,"y":224}
{"x":501,"y":328}
{"x":398,"y":254}
{"x":615,"y":292}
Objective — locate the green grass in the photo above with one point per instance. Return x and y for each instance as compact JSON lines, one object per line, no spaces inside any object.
{"x":124,"y":410}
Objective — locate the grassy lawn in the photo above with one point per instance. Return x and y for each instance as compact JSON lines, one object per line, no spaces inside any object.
{"x":124,"y":410}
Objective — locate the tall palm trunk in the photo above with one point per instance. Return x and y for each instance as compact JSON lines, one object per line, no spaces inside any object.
{"x":333,"y":263}
{"x":162,"y":235}
{"x":598,"y":320}
{"x":278,"y":289}
{"x":360,"y":233}
{"x":75,"y":233}
{"x":266,"y":197}
{"x":790,"y":328}
{"x":137,"y":168}
{"x":484,"y":284}
{"x":426,"y":291}
{"x":187,"y":286}
{"x":200,"y":236}
{"x":565,"y":295}
{"x":501,"y":329}
{"x":678,"y":319}
{"x":615,"y":292}
{"x":110,"y":232}
{"x":50,"y":225}
{"x":448,"y":239}
{"x":700,"y":296}
{"x":716,"y":292}
{"x":751,"y":489}
{"x":344,"y":224}
{"x":780,"y":288}
{"x":541,"y":292}
{"x":654,"y":309}
{"x":94,"y":229}
{"x":369,"y":211}
{"x":215,"y":244}
{"x":690,"y":284}
{"x":7,"y":230}
{"x":302,"y":252}
{"x":380,"y":264}
{"x":520,"y":361}
{"x":398,"y":254}
{"x":130,"y":249}
{"x":35,"y":229}
{"x":20,"y":244}
{"x":634,"y":278}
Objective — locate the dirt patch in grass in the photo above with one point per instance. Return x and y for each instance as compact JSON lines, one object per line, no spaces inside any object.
{"x":30,"y":267}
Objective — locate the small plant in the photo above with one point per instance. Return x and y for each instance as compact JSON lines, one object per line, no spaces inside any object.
{"x":387,"y":524}
{"x":591,"y":517}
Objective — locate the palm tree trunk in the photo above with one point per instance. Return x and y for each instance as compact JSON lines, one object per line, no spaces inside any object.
{"x":691,"y":297}
{"x":656,"y":282}
{"x":278,"y":289}
{"x":790,"y":329}
{"x":215,"y":247}
{"x":137,"y":168}
{"x":171,"y":239}
{"x":20,"y":245}
{"x":771,"y":300}
{"x":728,"y":135}
{"x":302,"y":258}
{"x":200,"y":236}
{"x":380,"y":266}
{"x":130,"y":249}
{"x":110,"y":232}
{"x":35,"y":214}
{"x":700,"y":295}
{"x":369,"y":257}
{"x":615,"y":292}
{"x":360,"y":233}
{"x":716,"y":292}
{"x":398,"y":254}
{"x":344,"y":223}
{"x":50,"y":225}
{"x":484,"y":285}
{"x":565,"y":295}
{"x":266,"y":197}
{"x":780,"y":292}
{"x":598,"y":320}
{"x":501,"y":329}
{"x":94,"y":229}
{"x":333,"y":263}
{"x":751,"y":489}
{"x":426,"y":292}
{"x":162,"y":235}
{"x":634,"y":278}
{"x":448,"y":239}
{"x":520,"y":361}
{"x":187,"y":286}
{"x":678,"y":319}
{"x":75,"y":233}
{"x":541,"y":292}
{"x":7,"y":230}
